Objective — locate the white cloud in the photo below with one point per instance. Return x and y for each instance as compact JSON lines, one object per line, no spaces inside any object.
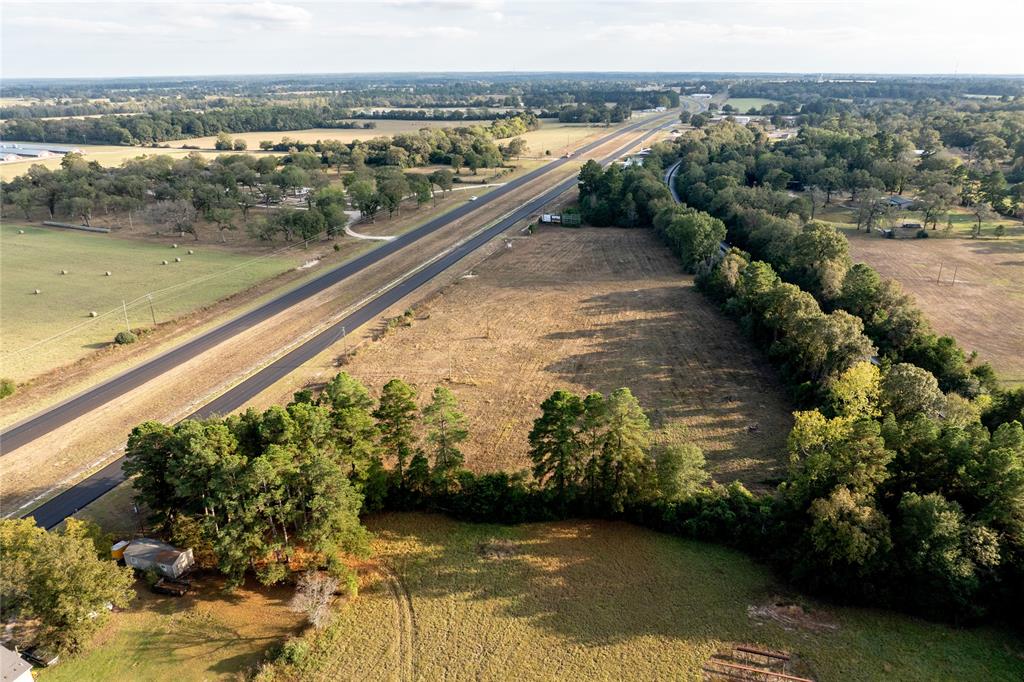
{"x":267,"y":16}
{"x":488,"y":5}
{"x":79,"y":26}
{"x":736,"y":34}
{"x":388,"y":30}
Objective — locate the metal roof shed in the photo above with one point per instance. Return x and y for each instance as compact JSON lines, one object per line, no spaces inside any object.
{"x":14,"y":668}
{"x":146,"y":554}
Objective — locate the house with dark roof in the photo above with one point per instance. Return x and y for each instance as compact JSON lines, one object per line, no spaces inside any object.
{"x":900,"y":202}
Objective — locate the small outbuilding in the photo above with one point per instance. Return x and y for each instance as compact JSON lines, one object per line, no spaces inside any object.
{"x":900,"y":202}
{"x":14,"y":668}
{"x":145,"y":554}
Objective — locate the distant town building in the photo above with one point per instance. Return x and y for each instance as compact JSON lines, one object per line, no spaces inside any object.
{"x":19,"y":151}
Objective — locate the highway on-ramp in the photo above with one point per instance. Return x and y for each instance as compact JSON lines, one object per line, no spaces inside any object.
{"x":68,"y":502}
{"x":53,"y":418}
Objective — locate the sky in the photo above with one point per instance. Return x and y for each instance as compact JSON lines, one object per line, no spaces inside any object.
{"x":151,"y":38}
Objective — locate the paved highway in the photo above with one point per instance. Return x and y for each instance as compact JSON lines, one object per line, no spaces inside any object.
{"x":68,"y":502}
{"x":38,"y":425}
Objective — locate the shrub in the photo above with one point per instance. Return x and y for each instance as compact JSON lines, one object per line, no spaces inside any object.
{"x":271,"y":573}
{"x":7,"y":387}
{"x":293,"y":651}
{"x":125,"y":337}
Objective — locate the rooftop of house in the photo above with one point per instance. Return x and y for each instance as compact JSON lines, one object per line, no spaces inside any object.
{"x":12,"y":665}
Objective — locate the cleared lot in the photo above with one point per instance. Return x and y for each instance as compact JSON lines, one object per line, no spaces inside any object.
{"x":584,"y":310}
{"x":982,"y":309}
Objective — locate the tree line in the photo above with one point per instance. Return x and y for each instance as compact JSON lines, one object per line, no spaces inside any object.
{"x":906,"y":482}
{"x":153,"y":127}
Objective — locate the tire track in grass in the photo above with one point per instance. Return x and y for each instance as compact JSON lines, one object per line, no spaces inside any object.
{"x":405,"y":624}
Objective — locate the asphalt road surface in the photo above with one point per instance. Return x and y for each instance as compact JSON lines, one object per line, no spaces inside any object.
{"x":68,"y":502}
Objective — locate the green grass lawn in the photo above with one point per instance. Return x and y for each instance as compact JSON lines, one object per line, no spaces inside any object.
{"x":744,"y":104}
{"x":34,"y":260}
{"x":608,"y":601}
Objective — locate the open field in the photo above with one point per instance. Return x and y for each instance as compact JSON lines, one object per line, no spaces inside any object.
{"x":206,"y":635}
{"x":608,"y":601}
{"x":34,"y":260}
{"x":744,"y":104}
{"x":982,"y":310}
{"x":584,"y":310}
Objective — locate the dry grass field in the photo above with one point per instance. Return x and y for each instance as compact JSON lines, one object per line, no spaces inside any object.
{"x":607,"y":601}
{"x":585,"y":310}
{"x":208,"y":635}
{"x":983,"y":309}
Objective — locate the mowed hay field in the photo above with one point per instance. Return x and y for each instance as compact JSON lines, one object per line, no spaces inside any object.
{"x":745,"y":104}
{"x":983,"y":309}
{"x":590,"y":309}
{"x":34,"y":260}
{"x":590,"y":600}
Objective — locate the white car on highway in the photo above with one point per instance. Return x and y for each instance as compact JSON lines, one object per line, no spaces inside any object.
{"x":473,"y":198}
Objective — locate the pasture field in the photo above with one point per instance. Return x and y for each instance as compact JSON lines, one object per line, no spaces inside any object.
{"x":982,"y":309}
{"x":744,"y":104}
{"x":558,"y":137}
{"x":583,"y":310}
{"x":593,"y":600}
{"x":34,"y":260}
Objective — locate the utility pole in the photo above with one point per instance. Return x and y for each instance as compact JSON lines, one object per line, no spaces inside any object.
{"x":124,"y":307}
{"x":954,"y":273}
{"x":152,"y":312}
{"x":940,"y":274}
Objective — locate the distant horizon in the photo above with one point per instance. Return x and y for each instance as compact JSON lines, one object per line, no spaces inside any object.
{"x":498,"y":72}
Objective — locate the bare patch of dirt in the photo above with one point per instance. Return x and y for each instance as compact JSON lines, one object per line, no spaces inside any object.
{"x":498,"y":549}
{"x":791,"y":616}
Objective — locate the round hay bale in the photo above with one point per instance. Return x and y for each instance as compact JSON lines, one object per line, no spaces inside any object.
{"x":174,"y":246}
{"x":63,"y":272}
{"x":163,"y":262}
{"x":21,"y":231}
{"x":190,"y":252}
{"x":36,"y":292}
{"x":107,"y":273}
{"x":177,"y":260}
{"x":93,"y":313}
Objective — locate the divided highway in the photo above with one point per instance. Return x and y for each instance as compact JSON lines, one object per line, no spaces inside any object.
{"x":68,"y":502}
{"x":34,"y":427}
